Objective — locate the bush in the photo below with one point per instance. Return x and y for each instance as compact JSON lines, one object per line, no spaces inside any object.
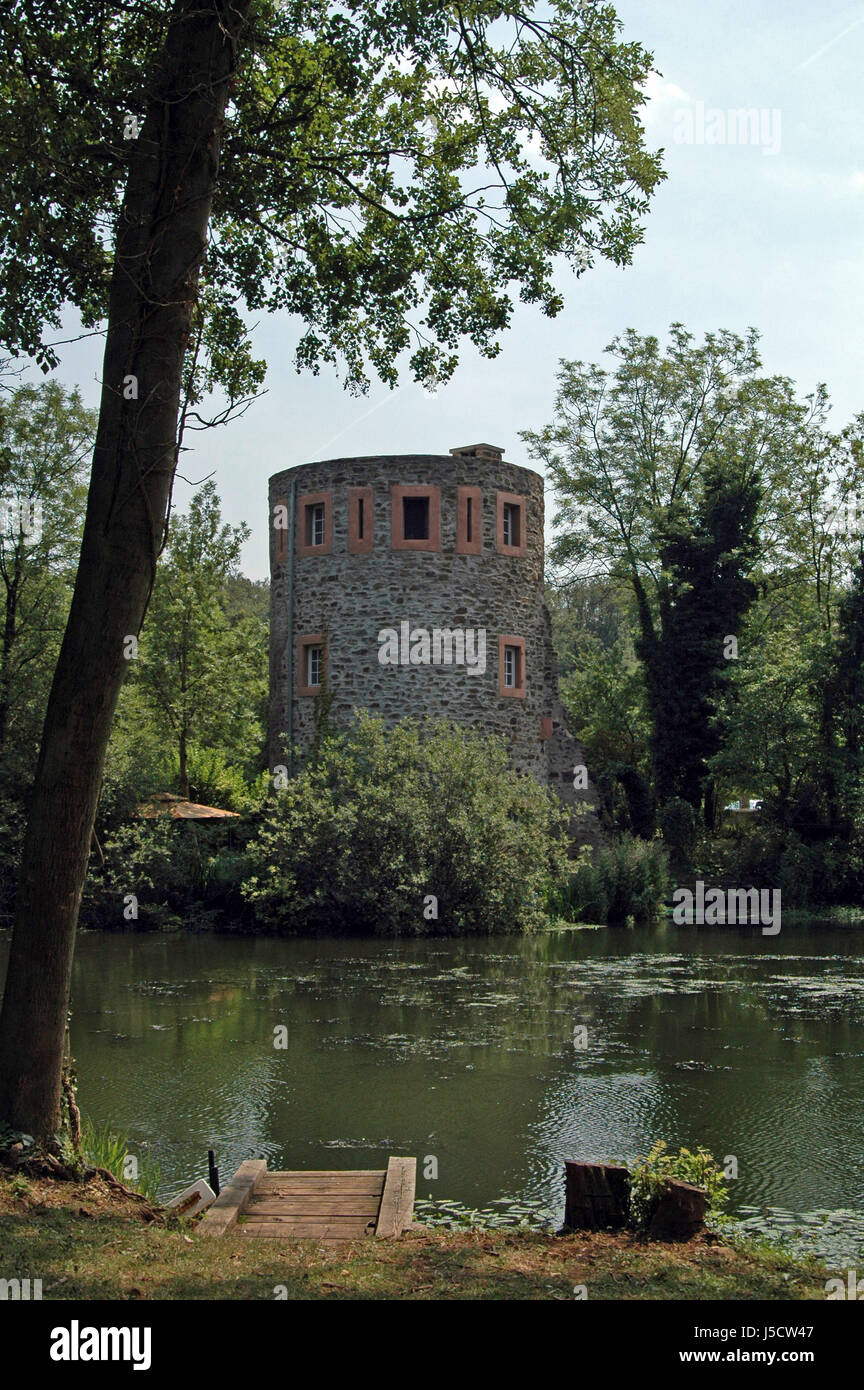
{"x":181,"y":873}
{"x":627,"y":880}
{"x":649,"y":1175}
{"x":382,"y":823}
{"x":679,"y":827}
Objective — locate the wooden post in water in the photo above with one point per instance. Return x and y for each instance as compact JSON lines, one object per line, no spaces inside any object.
{"x":597,"y":1196}
{"x":214,"y":1171}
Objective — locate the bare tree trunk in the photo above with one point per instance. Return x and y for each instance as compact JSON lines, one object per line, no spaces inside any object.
{"x":160,"y":244}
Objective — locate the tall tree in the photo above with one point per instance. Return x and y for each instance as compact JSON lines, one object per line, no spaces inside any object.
{"x":702,"y":603}
{"x":203,"y":675}
{"x":676,"y":473}
{"x":389,"y":173}
{"x":45,"y":440}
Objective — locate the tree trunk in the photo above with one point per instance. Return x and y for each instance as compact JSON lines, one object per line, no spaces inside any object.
{"x":679,"y":1213}
{"x":597,"y":1196}
{"x":160,"y":243}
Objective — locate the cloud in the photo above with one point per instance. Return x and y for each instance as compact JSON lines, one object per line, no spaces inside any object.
{"x":661,"y":98}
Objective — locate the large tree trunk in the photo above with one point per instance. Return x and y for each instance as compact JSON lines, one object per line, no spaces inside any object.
{"x":160,"y":243}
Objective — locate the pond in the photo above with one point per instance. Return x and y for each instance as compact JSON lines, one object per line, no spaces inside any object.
{"x":466,"y":1053}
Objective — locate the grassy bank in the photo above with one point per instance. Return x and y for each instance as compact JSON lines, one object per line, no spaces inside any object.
{"x":85,"y":1241}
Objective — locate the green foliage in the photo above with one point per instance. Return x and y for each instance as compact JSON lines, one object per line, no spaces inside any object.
{"x":679,"y":827}
{"x":603,"y":693}
{"x":626,"y":881}
{"x":202,"y":674}
{"x":627,"y":801}
{"x":676,"y":471}
{"x":45,"y":440}
{"x":389,"y":174}
{"x":104,"y":1148}
{"x":380,"y":820}
{"x":214,"y":781}
{"x":650,"y":1174}
{"x":182,"y":874}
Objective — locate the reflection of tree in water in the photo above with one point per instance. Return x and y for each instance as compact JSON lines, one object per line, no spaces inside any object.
{"x":465,"y":1050}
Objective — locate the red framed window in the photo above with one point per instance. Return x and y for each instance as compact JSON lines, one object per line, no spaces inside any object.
{"x":311,"y":663}
{"x":315,"y":524}
{"x":511,"y":516}
{"x":469,"y":521}
{"x":360,"y":520}
{"x":415,"y":518}
{"x":511,"y":666}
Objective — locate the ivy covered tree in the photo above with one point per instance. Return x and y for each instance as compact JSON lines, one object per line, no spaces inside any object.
{"x":393,"y":174}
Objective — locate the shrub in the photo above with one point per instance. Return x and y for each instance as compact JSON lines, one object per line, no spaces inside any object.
{"x":649,"y":1175}
{"x":380,"y":821}
{"x":627,"y":880}
{"x":679,"y":826}
{"x":179,"y":871}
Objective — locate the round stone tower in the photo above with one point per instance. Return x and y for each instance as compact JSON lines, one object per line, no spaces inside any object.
{"x":412,"y":585}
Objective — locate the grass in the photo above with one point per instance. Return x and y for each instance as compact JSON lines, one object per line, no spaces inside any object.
{"x":85,"y":1241}
{"x":104,"y":1148}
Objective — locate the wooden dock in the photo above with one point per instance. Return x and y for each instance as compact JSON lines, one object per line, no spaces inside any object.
{"x":326,"y":1207}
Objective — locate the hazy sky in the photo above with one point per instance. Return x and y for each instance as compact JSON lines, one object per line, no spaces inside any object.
{"x":766,"y":233}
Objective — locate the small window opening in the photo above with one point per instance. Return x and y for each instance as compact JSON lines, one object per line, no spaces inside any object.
{"x":315,"y":524}
{"x":511,"y":526}
{"x":511,"y":667}
{"x":415,"y":518}
{"x":314,"y":656}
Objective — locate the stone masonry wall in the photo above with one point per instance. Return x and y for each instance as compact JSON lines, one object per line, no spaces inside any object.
{"x":348,"y":598}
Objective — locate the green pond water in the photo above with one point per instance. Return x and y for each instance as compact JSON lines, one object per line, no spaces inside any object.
{"x":463,"y":1051}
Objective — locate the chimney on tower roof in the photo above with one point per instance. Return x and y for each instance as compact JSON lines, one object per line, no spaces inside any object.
{"x":479,"y":451}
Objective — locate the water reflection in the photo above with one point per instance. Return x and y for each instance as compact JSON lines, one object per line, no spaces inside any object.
{"x":465,"y":1051}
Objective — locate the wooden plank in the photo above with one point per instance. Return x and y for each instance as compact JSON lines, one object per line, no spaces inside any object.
{"x":321,"y":1206}
{"x":305,"y":1173}
{"x":275,"y":1230}
{"x":326,"y":1180}
{"x":374,"y":1182}
{"x":358,"y":1223}
{"x":222,"y":1216}
{"x":397,"y":1200}
{"x":282,"y":1194}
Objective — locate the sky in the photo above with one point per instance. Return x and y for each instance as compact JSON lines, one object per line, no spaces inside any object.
{"x":767,"y":233}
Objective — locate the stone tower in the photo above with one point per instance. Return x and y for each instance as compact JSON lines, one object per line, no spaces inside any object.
{"x":412,"y":584}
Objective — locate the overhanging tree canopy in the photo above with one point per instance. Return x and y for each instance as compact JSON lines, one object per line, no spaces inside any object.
{"x":388,"y":170}
{"x":393,"y":174}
